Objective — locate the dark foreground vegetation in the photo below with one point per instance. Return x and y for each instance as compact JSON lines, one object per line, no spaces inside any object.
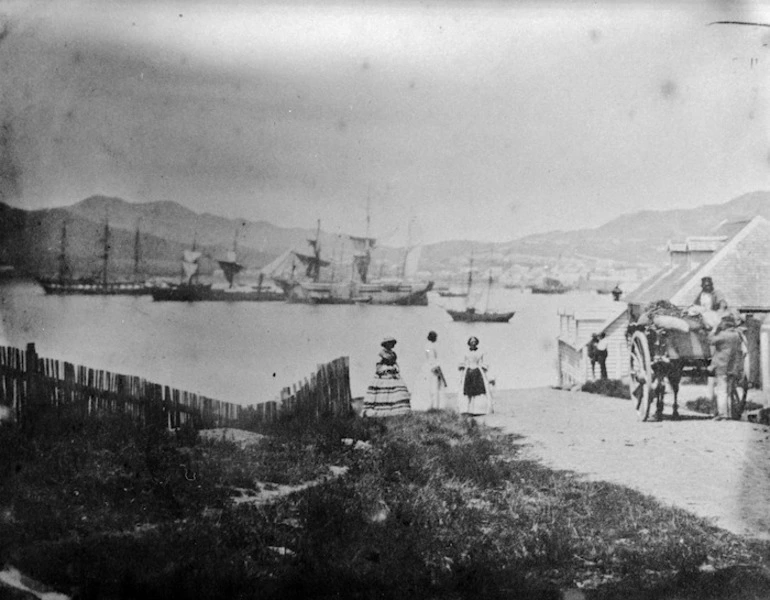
{"x":607,"y":387}
{"x":432,"y":506}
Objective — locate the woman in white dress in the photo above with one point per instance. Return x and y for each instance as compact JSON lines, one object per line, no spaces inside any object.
{"x":431,"y":381}
{"x":475,"y":392}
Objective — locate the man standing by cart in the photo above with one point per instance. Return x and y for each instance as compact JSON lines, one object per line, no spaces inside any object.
{"x":726,"y":364}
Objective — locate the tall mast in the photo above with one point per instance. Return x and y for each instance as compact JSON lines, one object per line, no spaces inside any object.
{"x":368,"y":217}
{"x":489,"y":291}
{"x":63,"y":266}
{"x":406,"y":249}
{"x":333,"y":275}
{"x":230,"y":266}
{"x":317,"y":253}
{"x":106,"y":252}
{"x":194,"y":278}
{"x":190,"y":269}
{"x":367,"y":259}
{"x":137,"y":253}
{"x":470,"y":274}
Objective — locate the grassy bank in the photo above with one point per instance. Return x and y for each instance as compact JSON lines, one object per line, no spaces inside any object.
{"x":432,"y":506}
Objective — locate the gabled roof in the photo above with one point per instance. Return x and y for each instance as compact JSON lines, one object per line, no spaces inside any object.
{"x":603,"y":315}
{"x":740,"y":270}
{"x":730,"y":228}
{"x":621,"y":310}
{"x":705,"y":243}
{"x":664,"y":284}
{"x":676,"y":246}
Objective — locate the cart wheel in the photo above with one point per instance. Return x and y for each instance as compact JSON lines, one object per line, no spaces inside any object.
{"x":641,"y":375}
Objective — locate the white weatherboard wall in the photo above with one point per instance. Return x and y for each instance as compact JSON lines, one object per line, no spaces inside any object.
{"x":576,"y":328}
{"x":764,"y":361}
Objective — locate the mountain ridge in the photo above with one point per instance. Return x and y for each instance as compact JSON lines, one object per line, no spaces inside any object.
{"x":31,"y":239}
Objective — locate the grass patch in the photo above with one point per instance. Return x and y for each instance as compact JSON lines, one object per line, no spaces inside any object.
{"x":434,"y":506}
{"x":707,"y":406}
{"x":607,"y":387}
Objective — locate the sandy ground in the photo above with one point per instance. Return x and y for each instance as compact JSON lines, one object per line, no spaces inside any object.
{"x":719,"y":470}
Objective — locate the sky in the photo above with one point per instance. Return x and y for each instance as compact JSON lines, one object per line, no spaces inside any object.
{"x":474,"y":120}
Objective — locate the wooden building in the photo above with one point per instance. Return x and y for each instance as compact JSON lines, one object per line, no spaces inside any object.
{"x":736,"y":256}
{"x":575,"y":329}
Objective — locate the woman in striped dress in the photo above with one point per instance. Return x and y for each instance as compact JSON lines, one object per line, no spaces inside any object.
{"x":387,"y":394}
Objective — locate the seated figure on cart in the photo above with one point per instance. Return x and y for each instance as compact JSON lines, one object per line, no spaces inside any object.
{"x":708,"y":297}
{"x":668,"y":343}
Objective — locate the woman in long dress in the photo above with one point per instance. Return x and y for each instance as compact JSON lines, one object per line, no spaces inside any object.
{"x":431,"y":381}
{"x":476,"y":394}
{"x":387,"y":394}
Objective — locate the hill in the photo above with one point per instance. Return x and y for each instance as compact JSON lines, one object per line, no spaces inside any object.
{"x":31,"y":240}
{"x":635,"y":238}
{"x":639,"y":235}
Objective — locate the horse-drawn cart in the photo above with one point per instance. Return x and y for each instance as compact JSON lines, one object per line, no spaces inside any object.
{"x":659,"y":353}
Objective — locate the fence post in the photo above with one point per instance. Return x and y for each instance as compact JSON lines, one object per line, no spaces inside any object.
{"x":32,"y":405}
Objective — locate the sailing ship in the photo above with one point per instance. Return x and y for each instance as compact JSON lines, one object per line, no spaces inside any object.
{"x":64,"y":284}
{"x":240,"y":292}
{"x":353,"y":286}
{"x":471,"y":314}
{"x":191,"y":290}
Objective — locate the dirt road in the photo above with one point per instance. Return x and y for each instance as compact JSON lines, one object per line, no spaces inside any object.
{"x":715,"y":469}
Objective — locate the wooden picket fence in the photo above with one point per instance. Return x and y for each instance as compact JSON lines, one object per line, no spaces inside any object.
{"x":30,"y":385}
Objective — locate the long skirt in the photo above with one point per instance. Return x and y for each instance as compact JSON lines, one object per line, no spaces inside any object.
{"x":473,"y":385}
{"x":386,"y":395}
{"x":429,"y":388}
{"x":475,"y":399}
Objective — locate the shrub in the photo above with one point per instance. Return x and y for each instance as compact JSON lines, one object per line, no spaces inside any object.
{"x":707,"y":406}
{"x":607,"y":387}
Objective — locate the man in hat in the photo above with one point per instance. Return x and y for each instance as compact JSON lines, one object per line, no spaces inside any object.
{"x":592,"y":353}
{"x":726,"y":362}
{"x":602,"y":351}
{"x":709,"y":298}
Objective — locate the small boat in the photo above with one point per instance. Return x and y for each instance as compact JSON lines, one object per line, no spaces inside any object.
{"x":550,"y":286}
{"x":452,"y":294}
{"x":471,"y":315}
{"x":337,"y":300}
{"x":64,"y":284}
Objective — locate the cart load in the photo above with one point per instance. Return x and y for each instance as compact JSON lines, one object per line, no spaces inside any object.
{"x":667,"y":342}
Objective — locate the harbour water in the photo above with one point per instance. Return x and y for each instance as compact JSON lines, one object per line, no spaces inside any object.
{"x":245,"y":352}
